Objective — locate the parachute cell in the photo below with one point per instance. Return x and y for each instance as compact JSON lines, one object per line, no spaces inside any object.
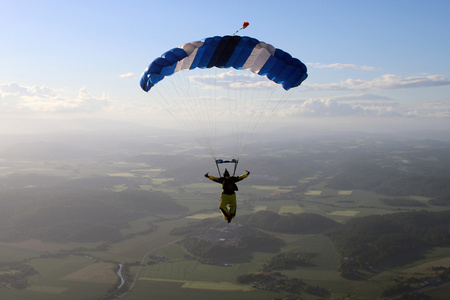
{"x":238,"y":52}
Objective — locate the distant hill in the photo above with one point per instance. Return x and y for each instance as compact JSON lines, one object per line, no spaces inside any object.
{"x":66,"y":214}
{"x":44,"y":150}
{"x":392,"y":180}
{"x":371,"y":240}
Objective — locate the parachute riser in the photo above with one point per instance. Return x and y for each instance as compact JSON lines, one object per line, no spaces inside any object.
{"x":221,"y":161}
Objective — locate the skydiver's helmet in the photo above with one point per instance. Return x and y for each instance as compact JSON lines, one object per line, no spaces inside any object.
{"x":226,"y":174}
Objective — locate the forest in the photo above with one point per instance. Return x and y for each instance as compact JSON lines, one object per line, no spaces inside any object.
{"x":366,"y":242}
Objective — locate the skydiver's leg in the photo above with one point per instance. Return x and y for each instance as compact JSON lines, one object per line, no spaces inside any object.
{"x":233,"y":206}
{"x":223,"y":207}
{"x":224,"y":203}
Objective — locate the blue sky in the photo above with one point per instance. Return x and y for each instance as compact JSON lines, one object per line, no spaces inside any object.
{"x":374,"y":63}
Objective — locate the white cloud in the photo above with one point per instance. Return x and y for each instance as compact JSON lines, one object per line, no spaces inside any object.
{"x":13,"y":89}
{"x":437,"y":109}
{"x":231,"y":79}
{"x":339,"y":66}
{"x":387,"y":81}
{"x":128,"y":75}
{"x":16,"y":98}
{"x":364,"y":99}
{"x":362,"y":105}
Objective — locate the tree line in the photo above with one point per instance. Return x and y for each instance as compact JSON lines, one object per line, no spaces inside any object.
{"x":278,"y":282}
{"x":289,"y":260}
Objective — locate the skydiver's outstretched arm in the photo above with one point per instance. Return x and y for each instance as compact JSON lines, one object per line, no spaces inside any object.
{"x":210,"y":177}
{"x":243,"y":176}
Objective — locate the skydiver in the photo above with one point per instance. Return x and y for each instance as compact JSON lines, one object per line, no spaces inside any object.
{"x":228,"y":197}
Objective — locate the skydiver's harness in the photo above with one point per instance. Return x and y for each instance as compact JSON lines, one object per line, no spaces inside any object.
{"x":221,"y":161}
{"x":229,"y":187}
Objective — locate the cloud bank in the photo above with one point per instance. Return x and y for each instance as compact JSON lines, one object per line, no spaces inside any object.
{"x":354,"y":105}
{"x":16,"y":98}
{"x":385,"y":82}
{"x":356,"y":97}
{"x":340,"y":66}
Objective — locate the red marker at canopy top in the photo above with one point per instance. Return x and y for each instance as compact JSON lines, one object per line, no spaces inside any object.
{"x":245,"y":25}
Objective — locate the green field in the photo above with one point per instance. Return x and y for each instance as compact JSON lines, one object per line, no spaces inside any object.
{"x":291,"y":209}
{"x":10,"y":253}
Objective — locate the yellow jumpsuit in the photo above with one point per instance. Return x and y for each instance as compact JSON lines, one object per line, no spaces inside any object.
{"x":228,"y":197}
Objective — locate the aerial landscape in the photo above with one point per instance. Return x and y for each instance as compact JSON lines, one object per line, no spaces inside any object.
{"x":324,"y":217}
{"x":295,"y":150}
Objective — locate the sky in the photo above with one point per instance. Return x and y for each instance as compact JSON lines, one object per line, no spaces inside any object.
{"x":371,"y":64}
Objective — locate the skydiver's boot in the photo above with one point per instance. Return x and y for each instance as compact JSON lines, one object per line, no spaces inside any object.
{"x":231,"y":217}
{"x":226,"y":216}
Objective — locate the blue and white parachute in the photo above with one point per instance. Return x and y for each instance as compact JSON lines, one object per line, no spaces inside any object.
{"x":216,"y":92}
{"x":242,"y":53}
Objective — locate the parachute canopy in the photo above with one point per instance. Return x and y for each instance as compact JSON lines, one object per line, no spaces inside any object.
{"x":241,"y":53}
{"x":215,"y":97}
